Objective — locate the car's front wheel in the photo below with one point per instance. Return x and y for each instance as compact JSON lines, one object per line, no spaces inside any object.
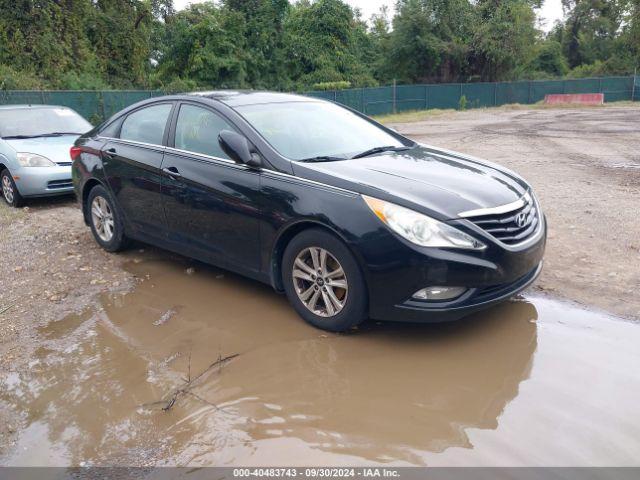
{"x":104,"y":218}
{"x":323,"y":281}
{"x":9,"y":190}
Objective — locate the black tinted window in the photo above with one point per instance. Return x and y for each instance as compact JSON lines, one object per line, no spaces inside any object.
{"x":197,"y":131}
{"x":146,"y":125}
{"x":111,"y":130}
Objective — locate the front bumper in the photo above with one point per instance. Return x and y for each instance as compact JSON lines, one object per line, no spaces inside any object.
{"x":491,"y":276}
{"x":473,"y":300}
{"x":43,"y":181}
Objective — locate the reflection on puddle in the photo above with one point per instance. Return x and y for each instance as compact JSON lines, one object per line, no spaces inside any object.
{"x":529,"y":382}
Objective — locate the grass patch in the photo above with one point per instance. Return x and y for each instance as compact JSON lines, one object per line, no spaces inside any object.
{"x":8,"y":214}
{"x":421,"y":115}
{"x":412,"y":115}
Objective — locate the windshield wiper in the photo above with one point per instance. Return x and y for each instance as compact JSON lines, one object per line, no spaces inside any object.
{"x":19,"y":137}
{"x":323,"y":158}
{"x":40,"y":135}
{"x":374,"y":150}
{"x":58,"y":134}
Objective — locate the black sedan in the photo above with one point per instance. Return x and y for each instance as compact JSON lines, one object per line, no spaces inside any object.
{"x":347,"y":217}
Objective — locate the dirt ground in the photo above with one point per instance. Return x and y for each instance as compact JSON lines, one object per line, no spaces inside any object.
{"x":583,"y":163}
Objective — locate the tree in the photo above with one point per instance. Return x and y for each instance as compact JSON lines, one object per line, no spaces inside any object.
{"x":591,"y":29}
{"x":431,"y":39}
{"x":321,"y":42}
{"x":206,"y":45}
{"x":504,"y":38}
{"x":548,"y":60}
{"x":264,"y":21}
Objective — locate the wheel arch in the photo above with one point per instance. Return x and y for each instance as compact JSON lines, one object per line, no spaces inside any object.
{"x":86,"y":189}
{"x":287,"y":234}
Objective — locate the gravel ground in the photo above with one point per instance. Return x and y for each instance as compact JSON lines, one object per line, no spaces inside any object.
{"x":584,"y":164}
{"x":50,"y":267}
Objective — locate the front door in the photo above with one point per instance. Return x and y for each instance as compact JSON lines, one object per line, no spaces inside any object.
{"x":132,"y":165}
{"x":211,"y":203}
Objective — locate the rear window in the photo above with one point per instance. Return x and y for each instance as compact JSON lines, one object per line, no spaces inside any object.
{"x":147,"y":124}
{"x":38,"y":121}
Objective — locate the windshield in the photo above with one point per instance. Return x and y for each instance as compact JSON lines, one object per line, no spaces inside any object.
{"x":304,"y":130}
{"x":36,"y":122}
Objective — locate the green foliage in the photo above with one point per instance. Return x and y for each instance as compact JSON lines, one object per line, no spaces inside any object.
{"x":432,"y":39}
{"x":504,"y":38}
{"x":282,"y":45}
{"x":323,"y":41}
{"x":11,"y":79}
{"x":205,"y":44}
{"x":342,"y":85}
{"x":462,"y":103}
{"x":549,"y":60}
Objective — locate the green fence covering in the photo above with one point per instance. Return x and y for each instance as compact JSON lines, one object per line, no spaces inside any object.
{"x":100,"y":105}
{"x":95,"y":106}
{"x":383,"y":100}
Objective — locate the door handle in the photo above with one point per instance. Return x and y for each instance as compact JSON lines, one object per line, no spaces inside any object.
{"x":110,"y":152}
{"x":172,"y":172}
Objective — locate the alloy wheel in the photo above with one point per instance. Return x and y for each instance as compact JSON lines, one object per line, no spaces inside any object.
{"x":320,"y":282}
{"x":102,"y":218}
{"x":7,"y":189}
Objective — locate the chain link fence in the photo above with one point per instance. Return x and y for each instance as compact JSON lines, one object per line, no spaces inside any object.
{"x":96,"y":106}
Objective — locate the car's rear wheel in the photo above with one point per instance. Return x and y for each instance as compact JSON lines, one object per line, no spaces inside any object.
{"x":105,"y":220}
{"x":9,"y":190}
{"x":323,"y":281}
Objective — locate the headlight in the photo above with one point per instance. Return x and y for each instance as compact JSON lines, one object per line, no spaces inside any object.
{"x":420,"y":229}
{"x":34,"y":160}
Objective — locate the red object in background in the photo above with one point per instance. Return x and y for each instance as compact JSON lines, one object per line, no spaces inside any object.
{"x":75,"y":152}
{"x":582,"y":98}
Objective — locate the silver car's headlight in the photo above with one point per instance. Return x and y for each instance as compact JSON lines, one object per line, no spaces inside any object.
{"x":421,"y":229}
{"x":34,"y":160}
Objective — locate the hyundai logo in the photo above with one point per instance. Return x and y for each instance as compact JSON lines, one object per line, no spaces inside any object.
{"x":521,"y":219}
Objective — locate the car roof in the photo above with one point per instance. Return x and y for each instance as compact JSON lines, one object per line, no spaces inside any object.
{"x":239,"y":98}
{"x":15,"y":107}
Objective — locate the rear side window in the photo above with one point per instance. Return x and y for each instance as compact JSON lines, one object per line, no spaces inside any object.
{"x":146,"y":125}
{"x":111,"y":130}
{"x":197,"y":130}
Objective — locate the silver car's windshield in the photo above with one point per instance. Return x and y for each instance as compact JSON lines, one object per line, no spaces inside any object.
{"x":316,"y":130}
{"x":39,"y":122}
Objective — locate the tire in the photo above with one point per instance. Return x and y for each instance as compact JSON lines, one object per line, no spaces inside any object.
{"x":301,"y":286}
{"x":105,"y":220}
{"x":9,"y":190}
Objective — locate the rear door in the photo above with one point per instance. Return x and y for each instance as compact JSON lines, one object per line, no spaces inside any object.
{"x":211,"y":203}
{"x":132,"y":165}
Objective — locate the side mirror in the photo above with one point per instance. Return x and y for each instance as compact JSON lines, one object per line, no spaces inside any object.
{"x":238,"y":148}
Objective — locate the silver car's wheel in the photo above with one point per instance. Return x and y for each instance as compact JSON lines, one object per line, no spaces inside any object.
{"x":320,"y":282}
{"x":102,"y":218}
{"x":7,"y":189}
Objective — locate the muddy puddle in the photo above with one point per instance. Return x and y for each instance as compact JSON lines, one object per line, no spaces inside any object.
{"x":142,"y":379}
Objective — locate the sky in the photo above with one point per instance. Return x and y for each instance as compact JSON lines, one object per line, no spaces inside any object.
{"x":551,"y":9}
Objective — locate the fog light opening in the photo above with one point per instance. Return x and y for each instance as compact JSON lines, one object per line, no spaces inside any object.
{"x":439,"y":293}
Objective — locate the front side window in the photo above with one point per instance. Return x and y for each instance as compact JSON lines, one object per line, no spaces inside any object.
{"x":41,"y":122}
{"x":146,"y":125}
{"x":302,"y":130}
{"x":197,"y":130}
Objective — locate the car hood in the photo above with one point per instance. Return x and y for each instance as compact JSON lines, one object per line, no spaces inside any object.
{"x":425,"y":178}
{"x":54,"y":148}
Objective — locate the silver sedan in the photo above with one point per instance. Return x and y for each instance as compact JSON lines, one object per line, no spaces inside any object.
{"x":34,"y":150}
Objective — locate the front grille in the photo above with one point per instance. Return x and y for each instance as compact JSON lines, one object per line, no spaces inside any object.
{"x":514,"y":226}
{"x":57,"y":184}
